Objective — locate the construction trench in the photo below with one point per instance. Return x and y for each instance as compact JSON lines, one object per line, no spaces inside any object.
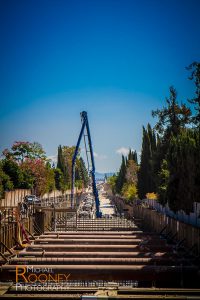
{"x":97,"y":258}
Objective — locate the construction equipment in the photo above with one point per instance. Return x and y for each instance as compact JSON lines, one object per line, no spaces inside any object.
{"x":85,"y":127}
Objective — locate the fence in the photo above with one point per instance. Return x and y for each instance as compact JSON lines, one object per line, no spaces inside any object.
{"x":12,"y":198}
{"x":156,"y":221}
{"x":57,"y":201}
{"x":59,"y":194}
{"x":35,"y":218}
{"x":192,"y":218}
{"x":9,"y":226}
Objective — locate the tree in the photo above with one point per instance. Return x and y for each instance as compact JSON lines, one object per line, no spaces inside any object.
{"x":37,"y":151}
{"x":135,"y":158}
{"x":121,"y":177}
{"x":194,"y":68}
{"x":59,"y":180}
{"x":83,"y":173}
{"x":60,"y":160}
{"x":62,"y":164}
{"x":125,"y":181}
{"x":24,"y":150}
{"x":68,"y":153}
{"x":129,"y":191}
{"x":146,"y":175}
{"x":171,"y":118}
{"x":50,"y":180}
{"x":12,"y":169}
{"x":132,"y":155}
{"x":5,"y":182}
{"x":112,"y":183}
{"x":183,"y":165}
{"x":41,"y":174}
{"x":131,"y":172}
{"x":163,"y":180}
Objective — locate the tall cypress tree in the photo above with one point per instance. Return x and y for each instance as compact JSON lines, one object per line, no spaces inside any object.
{"x":61,"y":164}
{"x":142,"y":174}
{"x":183,"y":161}
{"x":146,"y":183}
{"x":121,"y":178}
{"x":83,"y":172}
{"x":130,"y":155}
{"x":60,"y":158}
{"x":135,"y":158}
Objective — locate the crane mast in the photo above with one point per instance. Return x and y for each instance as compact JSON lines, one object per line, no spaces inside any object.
{"x":85,"y":127}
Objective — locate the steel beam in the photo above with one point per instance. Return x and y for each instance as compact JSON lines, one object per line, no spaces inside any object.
{"x":98,"y":247}
{"x":94,"y":260}
{"x":89,"y":241}
{"x":94,"y":254}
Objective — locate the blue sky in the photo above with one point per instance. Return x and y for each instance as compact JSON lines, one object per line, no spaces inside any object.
{"x":114,"y":59}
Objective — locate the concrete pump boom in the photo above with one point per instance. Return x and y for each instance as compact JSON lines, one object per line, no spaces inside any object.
{"x":85,"y":126}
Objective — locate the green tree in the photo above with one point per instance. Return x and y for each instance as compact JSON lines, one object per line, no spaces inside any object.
{"x":121,"y":177}
{"x":41,"y":173}
{"x":83,"y":173}
{"x":163,"y":180}
{"x":194,"y":68}
{"x":62,"y":164}
{"x":25,"y":150}
{"x":131,"y":172}
{"x":50,"y":178}
{"x":172,"y":120}
{"x":132,"y":155}
{"x":183,"y":164}
{"x":5,"y":182}
{"x":112,"y":183}
{"x":146,"y":176}
{"x":12,"y":169}
{"x":129,"y":191}
{"x":172,"y":117}
{"x":59,"y":180}
{"x":135,"y":158}
{"x":60,"y":160}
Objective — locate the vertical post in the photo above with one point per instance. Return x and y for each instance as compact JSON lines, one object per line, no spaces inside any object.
{"x":74,"y":161}
{"x":39,"y":220}
{"x":54,"y":216}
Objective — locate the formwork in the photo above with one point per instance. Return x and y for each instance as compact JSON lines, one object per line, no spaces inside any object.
{"x":113,"y":258}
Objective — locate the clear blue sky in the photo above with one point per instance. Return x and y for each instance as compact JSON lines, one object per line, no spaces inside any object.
{"x":114,"y":59}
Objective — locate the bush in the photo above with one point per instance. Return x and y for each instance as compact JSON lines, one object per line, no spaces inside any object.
{"x":129,"y":191}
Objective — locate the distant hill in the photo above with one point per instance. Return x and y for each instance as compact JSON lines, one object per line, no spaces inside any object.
{"x":100,"y":176}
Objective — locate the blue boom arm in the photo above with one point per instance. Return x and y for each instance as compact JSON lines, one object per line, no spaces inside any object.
{"x":85,"y":125}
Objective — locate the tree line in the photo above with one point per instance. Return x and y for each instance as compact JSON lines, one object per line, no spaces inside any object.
{"x":125,"y":182}
{"x":26,"y":166}
{"x":170,"y":156}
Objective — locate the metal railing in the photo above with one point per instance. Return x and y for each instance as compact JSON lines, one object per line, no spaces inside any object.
{"x":69,"y":222}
